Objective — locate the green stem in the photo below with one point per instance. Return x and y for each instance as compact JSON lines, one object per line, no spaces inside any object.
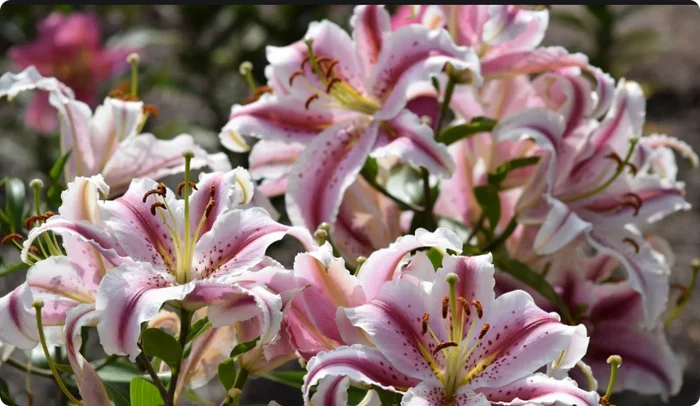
{"x":241,"y":379}
{"x":146,"y":364}
{"x":379,"y":188}
{"x":512,"y":224}
{"x":479,"y":225}
{"x":686,"y":296}
{"x":429,"y":221}
{"x":46,"y":373}
{"x":445,"y":105}
{"x":38,"y":305}
{"x":185,"y":324}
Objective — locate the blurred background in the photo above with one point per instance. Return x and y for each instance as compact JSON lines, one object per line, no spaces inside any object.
{"x":190,"y":57}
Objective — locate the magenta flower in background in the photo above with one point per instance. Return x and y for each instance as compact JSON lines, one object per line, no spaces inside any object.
{"x":69,"y":48}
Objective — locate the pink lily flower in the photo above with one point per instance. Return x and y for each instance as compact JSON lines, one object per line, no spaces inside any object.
{"x":505,"y":37}
{"x":193,"y":251}
{"x":596,"y":184}
{"x":344,"y":98}
{"x":108,"y":140}
{"x":68,"y":287}
{"x":313,"y":319}
{"x":69,"y":48}
{"x":366,"y":220}
{"x":450,"y":341}
{"x":613,"y":313}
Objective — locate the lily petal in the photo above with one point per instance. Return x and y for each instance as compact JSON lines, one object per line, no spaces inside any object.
{"x":531,"y":61}
{"x":231,"y":190}
{"x":275,"y":118}
{"x":370,"y":24}
{"x":326,"y":168}
{"x":646,"y":269}
{"x":382,"y":265}
{"x":515,"y":26}
{"x":476,"y":281}
{"x":561,"y":227}
{"x":89,"y":383}
{"x":541,"y":390}
{"x":359,"y":363}
{"x":413,"y":141}
{"x":128,"y":296}
{"x":146,"y":156}
{"x":272,"y":161}
{"x":414,"y":53}
{"x":521,"y":339}
{"x":18,"y":319}
{"x":433,"y":394}
{"x":331,"y":391}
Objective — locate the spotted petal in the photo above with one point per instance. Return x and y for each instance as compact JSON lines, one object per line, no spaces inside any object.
{"x":325,"y":169}
{"x":370,"y":25}
{"x":541,"y":390}
{"x":228,"y":190}
{"x":430,"y":393}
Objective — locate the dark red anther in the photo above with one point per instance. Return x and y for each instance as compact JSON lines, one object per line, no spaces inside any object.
{"x":294,"y":75}
{"x":150,"y":109}
{"x":329,"y":69}
{"x":210,"y":207}
{"x":424,"y":322}
{"x":484,"y":329}
{"x":155,"y":205}
{"x":444,"y":345}
{"x":30,"y":221}
{"x":309,"y":100}
{"x":10,"y":237}
{"x":465,"y":305}
{"x":182,"y":185}
{"x":445,"y":305}
{"x":633,"y":243}
{"x":330,"y":84}
{"x":479,"y":308}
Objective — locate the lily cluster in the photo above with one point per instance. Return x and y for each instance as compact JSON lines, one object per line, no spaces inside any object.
{"x":469,"y":207}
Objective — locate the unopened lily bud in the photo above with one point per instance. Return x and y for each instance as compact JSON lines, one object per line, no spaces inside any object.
{"x":460,"y":76}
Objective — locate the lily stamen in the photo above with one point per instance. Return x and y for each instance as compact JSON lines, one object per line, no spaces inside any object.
{"x":294,"y":75}
{"x":310,"y":99}
{"x":444,"y":345}
{"x":182,"y":185}
{"x":633,"y":243}
{"x":12,"y":237}
{"x":156,"y":205}
{"x":479,"y":308}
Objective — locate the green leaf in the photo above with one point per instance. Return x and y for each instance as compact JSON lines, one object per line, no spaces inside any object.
{"x":6,"y":269}
{"x":294,"y":379}
{"x":158,"y":343}
{"x":536,"y":281}
{"x":117,"y":394}
{"x":198,"y":328}
{"x":15,"y":194}
{"x":242,"y":348}
{"x":5,"y":394}
{"x":435,"y":257}
{"x":370,"y":169}
{"x":488,"y":199}
{"x":505,"y":168}
{"x":455,"y":133}
{"x":53,"y":194}
{"x":144,"y":393}
{"x":57,"y":168}
{"x":119,"y":372}
{"x":227,"y":373}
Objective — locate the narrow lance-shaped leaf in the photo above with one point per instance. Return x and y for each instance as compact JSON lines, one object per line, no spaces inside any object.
{"x":57,"y":168}
{"x":527,"y":275}
{"x":15,"y":193}
{"x":490,"y":203}
{"x":505,"y":168}
{"x":5,"y":394}
{"x":242,"y":348}
{"x":455,"y":133}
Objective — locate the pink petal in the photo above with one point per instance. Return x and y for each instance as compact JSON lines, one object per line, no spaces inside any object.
{"x":238,"y":240}
{"x":62,"y":284}
{"x":433,"y":394}
{"x":511,"y":28}
{"x":413,"y":54}
{"x":521,"y":339}
{"x":91,"y":388}
{"x":232,"y":189}
{"x":367,"y":221}
{"x":475,"y":274}
{"x":275,"y":118}
{"x":647,"y":270}
{"x":531,"y":61}
{"x":542,"y":390}
{"x":561,"y":227}
{"x":146,"y":156}
{"x":332,"y":391}
{"x":41,"y":115}
{"x":330,"y":41}
{"x":128,"y":296}
{"x":382,"y":265}
{"x":113,"y":121}
{"x":370,"y":24}
{"x":403,"y":14}
{"x":326,"y":168}
{"x":393,"y":322}
{"x":143,"y":236}
{"x":18,"y":318}
{"x":649,"y":365}
{"x":263,"y":359}
{"x":76,"y":136}
{"x":414,"y":142}
{"x":272,"y":161}
{"x":359,"y":363}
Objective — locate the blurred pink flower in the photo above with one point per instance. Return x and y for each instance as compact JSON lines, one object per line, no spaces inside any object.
{"x":67,"y":47}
